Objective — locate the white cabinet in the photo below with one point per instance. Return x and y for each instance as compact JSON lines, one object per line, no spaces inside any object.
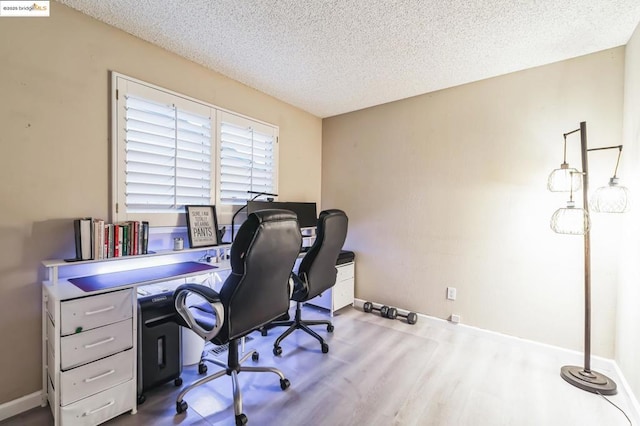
{"x":89,"y":348}
{"x":342,"y":293}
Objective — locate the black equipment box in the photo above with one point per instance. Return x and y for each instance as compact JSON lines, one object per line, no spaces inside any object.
{"x":345,"y":257}
{"x":159,"y":343}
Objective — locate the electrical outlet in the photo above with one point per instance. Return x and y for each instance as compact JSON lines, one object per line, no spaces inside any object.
{"x":451,"y":293}
{"x":454,"y":318}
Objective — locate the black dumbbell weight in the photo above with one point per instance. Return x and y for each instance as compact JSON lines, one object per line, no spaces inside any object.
{"x":384,"y":311}
{"x":370,"y":307}
{"x":411,"y":317}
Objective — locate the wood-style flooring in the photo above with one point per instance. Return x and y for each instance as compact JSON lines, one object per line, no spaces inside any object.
{"x":387,"y":372}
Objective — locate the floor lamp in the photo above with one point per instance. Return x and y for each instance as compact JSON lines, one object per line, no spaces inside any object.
{"x":575,"y":221}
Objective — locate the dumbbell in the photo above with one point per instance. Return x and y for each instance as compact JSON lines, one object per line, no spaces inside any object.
{"x":369,"y":307}
{"x":411,"y":317}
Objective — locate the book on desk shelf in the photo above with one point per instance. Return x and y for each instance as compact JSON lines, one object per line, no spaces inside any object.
{"x":125,"y":239}
{"x":83,"y":235}
{"x":98,"y":239}
{"x":117,"y":241}
{"x":135,"y":238}
{"x":77,"y":238}
{"x":108,"y":240}
{"x":144,"y":239}
{"x":95,"y":239}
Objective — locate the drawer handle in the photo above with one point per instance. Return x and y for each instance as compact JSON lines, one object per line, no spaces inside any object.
{"x":108,"y":404}
{"x":91,"y":379}
{"x":99,"y":311}
{"x":102,"y":342}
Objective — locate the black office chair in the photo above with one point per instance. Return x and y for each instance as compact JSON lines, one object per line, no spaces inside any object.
{"x":316,"y":274}
{"x":255,"y":293}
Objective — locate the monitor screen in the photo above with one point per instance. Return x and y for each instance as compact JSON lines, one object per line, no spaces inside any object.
{"x":307,"y":215}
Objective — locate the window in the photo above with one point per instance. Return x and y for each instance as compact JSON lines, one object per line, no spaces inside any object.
{"x":170,"y":151}
{"x":167,"y":158}
{"x":247,"y":159}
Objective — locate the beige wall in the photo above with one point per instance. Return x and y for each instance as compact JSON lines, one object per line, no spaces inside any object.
{"x":449,"y":189}
{"x":628,"y":330}
{"x":54,"y":161}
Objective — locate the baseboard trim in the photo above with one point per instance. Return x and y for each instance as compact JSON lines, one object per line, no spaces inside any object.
{"x":622,"y":382}
{"x":20,"y":405}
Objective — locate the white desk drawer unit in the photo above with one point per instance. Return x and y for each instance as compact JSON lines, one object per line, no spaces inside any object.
{"x":96,"y":357}
{"x":89,"y":330}
{"x":342,"y":293}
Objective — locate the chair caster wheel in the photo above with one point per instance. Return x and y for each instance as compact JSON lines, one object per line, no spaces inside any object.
{"x":141,"y":399}
{"x":325,"y":348}
{"x":330,"y":328}
{"x":284,"y":384}
{"x":263,"y":331}
{"x":255,"y":357}
{"x":277,"y":350}
{"x":178,"y":381}
{"x":202,"y":368}
{"x":181,"y":407}
{"x":241,"y":420}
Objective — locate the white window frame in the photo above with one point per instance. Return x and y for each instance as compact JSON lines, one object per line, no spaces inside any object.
{"x":120,"y":86}
{"x":242,"y":121}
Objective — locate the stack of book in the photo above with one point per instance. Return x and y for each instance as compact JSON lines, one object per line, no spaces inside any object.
{"x":96,"y":239}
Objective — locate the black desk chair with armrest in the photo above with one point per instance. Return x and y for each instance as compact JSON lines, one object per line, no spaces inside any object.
{"x":255,"y":293}
{"x":316,"y":274}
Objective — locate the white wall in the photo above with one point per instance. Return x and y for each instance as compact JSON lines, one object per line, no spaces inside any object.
{"x":628,"y":318}
{"x":449,"y":189}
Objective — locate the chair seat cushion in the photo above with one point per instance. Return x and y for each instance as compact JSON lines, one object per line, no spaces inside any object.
{"x":204,"y":315}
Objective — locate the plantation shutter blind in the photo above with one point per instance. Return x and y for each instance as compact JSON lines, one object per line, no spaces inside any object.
{"x":171,"y":150}
{"x":247,"y":158}
{"x":168,"y":155}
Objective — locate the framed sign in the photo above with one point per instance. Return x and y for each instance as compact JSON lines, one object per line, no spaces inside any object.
{"x":202,"y":226}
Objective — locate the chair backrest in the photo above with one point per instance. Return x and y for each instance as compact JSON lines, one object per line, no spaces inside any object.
{"x":262,"y":258}
{"x":318,"y":268}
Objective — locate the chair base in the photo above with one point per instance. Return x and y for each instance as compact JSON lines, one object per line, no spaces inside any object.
{"x":299,"y":324}
{"x":232,"y":368}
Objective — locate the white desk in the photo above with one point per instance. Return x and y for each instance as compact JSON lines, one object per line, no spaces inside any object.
{"x":89,"y":347}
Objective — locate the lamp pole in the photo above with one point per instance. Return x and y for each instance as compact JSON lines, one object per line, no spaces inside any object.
{"x":583,"y":377}
{"x":587,"y":250}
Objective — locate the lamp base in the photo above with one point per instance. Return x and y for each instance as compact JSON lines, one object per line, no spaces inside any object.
{"x":591,"y":381}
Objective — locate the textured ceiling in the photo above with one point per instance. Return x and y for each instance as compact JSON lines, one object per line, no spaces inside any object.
{"x":334,"y":56}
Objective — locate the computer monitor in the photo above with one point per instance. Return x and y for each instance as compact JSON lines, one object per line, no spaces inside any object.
{"x":307,"y":214}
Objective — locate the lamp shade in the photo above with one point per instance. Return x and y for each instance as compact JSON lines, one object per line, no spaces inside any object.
{"x":570,"y":220}
{"x":610,"y":199}
{"x":564,"y":179}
